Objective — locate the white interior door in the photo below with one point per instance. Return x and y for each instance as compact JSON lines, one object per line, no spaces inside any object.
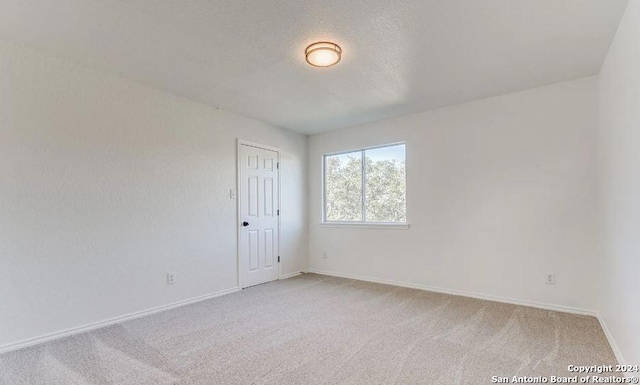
{"x":259,"y":198}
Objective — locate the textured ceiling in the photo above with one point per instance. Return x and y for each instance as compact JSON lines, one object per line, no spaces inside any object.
{"x":247,"y":56}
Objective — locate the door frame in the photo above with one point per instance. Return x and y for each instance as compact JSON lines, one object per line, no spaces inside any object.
{"x":239,"y":144}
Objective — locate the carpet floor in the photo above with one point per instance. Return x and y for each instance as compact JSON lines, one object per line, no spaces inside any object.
{"x":313,"y":329}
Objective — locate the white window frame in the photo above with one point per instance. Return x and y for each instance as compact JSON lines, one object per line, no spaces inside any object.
{"x":360,"y":224}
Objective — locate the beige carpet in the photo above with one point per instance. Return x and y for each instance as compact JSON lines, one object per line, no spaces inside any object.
{"x":313,"y":329}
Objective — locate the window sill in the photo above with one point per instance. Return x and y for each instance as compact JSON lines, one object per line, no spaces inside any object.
{"x":348,"y":225}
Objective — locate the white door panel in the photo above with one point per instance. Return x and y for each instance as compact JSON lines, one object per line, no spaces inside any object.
{"x":259,"y":192}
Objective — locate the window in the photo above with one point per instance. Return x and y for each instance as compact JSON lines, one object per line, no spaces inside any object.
{"x":366,"y":186}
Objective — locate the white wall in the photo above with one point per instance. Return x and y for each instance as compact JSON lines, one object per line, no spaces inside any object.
{"x":620,"y":185}
{"x":500,"y":192}
{"x":106,"y":185}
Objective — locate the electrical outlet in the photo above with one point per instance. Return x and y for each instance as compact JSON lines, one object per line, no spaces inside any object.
{"x":324,"y":255}
{"x":232,"y":194}
{"x":171,"y":278}
{"x":551,"y":279}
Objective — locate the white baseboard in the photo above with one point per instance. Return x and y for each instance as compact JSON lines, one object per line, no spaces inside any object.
{"x":612,"y":343}
{"x":96,"y":325}
{"x":486,"y":297}
{"x":111,"y":321}
{"x":559,"y":308}
{"x":290,"y":275}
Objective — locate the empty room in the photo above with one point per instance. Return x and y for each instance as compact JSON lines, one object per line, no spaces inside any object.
{"x":220,"y":192}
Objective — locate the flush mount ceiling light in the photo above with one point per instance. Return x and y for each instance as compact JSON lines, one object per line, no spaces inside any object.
{"x":323,"y":54}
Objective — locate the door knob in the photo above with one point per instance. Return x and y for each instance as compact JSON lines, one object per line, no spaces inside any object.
{"x":245,"y":224}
